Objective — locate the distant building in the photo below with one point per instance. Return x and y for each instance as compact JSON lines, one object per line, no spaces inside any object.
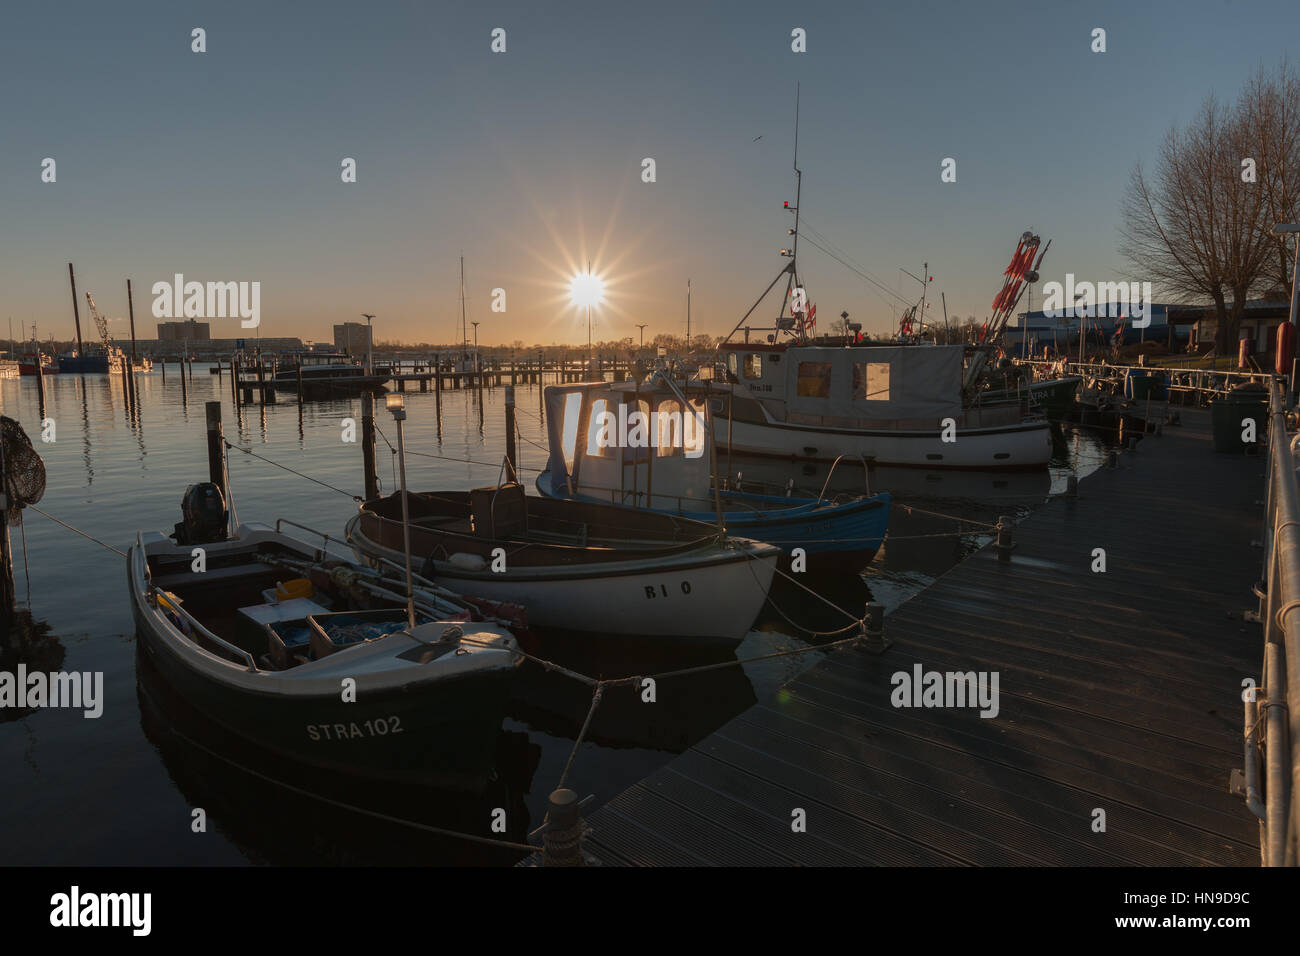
{"x":179,"y":331}
{"x":352,"y":337}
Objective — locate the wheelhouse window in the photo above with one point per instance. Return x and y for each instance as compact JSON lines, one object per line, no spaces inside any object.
{"x":753,"y":365}
{"x":602,"y":430}
{"x":569,"y":431}
{"x":871,"y":381}
{"x":670,"y":436}
{"x":814,"y":379}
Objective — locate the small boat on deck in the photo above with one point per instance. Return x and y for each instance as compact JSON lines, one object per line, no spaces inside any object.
{"x":578,"y":566}
{"x":671,"y":471}
{"x":264,"y":638}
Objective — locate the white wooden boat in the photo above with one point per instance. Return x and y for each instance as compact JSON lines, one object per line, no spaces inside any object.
{"x":574,"y":565}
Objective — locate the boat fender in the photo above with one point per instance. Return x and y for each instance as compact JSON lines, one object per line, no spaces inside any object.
{"x":468,"y":562}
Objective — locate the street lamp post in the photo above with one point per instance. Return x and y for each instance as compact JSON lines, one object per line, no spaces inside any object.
{"x":642,"y":328}
{"x":476,"y":362}
{"x":396,"y":404}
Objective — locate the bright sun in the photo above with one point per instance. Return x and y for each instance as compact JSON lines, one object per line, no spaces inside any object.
{"x":586,"y":290}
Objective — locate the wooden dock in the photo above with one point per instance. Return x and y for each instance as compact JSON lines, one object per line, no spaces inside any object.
{"x":1119,"y":692}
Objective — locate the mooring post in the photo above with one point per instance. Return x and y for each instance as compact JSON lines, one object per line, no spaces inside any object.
{"x":185,"y":395}
{"x":162,"y":363}
{"x":40,"y":377}
{"x":234,"y":382}
{"x":562,"y":838}
{"x":510,"y":432}
{"x":368,"y":445}
{"x":874,"y":628}
{"x":300,"y":383}
{"x":216,"y":447}
{"x":7,"y":590}
{"x":130,"y":372}
{"x":1004,"y":544}
{"x":1072,"y":486}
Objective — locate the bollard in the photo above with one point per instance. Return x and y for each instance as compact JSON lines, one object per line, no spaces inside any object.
{"x":1004,"y":544}
{"x":874,"y":628}
{"x":1072,"y":486}
{"x":562,"y":839}
{"x":1112,"y":459}
{"x":1131,"y":444}
{"x":216,"y":448}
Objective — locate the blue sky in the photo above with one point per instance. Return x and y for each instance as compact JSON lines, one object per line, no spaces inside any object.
{"x":225,"y":165}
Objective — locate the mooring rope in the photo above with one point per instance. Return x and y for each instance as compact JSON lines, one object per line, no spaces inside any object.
{"x":77,"y":530}
{"x":249,"y":451}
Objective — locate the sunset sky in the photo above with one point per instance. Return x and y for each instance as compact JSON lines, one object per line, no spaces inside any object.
{"x":225,"y":165}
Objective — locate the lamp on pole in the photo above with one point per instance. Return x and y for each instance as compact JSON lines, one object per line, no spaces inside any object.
{"x":370,"y":341}
{"x":642,"y":328}
{"x":476,"y":362}
{"x":396,"y":403}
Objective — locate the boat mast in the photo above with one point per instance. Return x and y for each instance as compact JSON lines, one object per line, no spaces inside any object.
{"x":688,"y":315}
{"x":795,"y":282}
{"x":76,"y":315}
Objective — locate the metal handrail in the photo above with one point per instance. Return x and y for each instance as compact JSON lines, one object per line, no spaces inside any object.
{"x":1272,"y":722}
{"x":194,"y":622}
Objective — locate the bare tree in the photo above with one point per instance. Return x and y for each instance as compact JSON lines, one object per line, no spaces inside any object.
{"x":1272,"y":106}
{"x":1198,"y":227}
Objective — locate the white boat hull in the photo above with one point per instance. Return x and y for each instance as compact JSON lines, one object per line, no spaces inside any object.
{"x":712,"y":594}
{"x":1026,"y":445}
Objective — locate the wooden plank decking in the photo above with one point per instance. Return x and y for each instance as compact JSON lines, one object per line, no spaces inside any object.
{"x":1118,"y":691}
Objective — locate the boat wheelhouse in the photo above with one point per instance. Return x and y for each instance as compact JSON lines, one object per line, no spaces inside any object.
{"x":892,"y":405}
{"x":646,"y":446}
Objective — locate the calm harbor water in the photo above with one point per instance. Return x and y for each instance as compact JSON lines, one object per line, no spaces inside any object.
{"x":123,"y":788}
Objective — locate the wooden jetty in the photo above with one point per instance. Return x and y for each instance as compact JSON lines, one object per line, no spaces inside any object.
{"x":1119,"y":692}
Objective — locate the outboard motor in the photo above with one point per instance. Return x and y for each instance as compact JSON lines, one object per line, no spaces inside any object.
{"x":203,"y":515}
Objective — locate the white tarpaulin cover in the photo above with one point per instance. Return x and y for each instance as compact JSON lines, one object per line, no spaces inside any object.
{"x":906,"y":381}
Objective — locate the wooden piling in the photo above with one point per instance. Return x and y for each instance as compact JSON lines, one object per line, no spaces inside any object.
{"x":185,"y":395}
{"x":511,"y":455}
{"x":368,"y":446}
{"x":7,"y":589}
{"x":216,"y":447}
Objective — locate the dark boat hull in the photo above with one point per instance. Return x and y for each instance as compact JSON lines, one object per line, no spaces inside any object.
{"x":440,"y":733}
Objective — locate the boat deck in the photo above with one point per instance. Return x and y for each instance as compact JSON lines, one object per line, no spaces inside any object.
{"x":1119,"y":692}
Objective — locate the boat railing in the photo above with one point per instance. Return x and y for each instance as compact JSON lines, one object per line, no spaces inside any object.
{"x":866,"y":475}
{"x":1272,"y":720}
{"x":154,"y":594}
{"x":323,"y":551}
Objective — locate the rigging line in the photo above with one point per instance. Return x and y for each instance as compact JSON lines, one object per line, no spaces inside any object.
{"x":838,"y":252}
{"x":859,"y":272}
{"x":77,"y":530}
{"x":586,"y":725}
{"x":248,"y":451}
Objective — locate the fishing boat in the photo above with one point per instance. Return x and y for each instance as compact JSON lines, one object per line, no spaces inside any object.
{"x":890,"y":405}
{"x":579,"y":566}
{"x":671,"y":472}
{"x":319,"y":659}
{"x":9,"y":368}
{"x":325,"y":373}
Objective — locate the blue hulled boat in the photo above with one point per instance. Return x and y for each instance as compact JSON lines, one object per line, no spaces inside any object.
{"x":646,"y":446}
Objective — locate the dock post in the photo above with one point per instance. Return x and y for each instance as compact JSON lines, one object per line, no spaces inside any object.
{"x":368,"y":445}
{"x":1072,"y":486}
{"x":216,"y":448}
{"x":40,"y":378}
{"x":1004,"y":544}
{"x":162,"y":363}
{"x":299,"y":383}
{"x":562,"y":839}
{"x":874,"y":628}
{"x":8,"y":592}
{"x":234,"y":381}
{"x":185,"y":395}
{"x":510,"y":432}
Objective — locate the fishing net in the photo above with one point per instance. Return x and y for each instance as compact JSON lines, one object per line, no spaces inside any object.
{"x":24,"y":471}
